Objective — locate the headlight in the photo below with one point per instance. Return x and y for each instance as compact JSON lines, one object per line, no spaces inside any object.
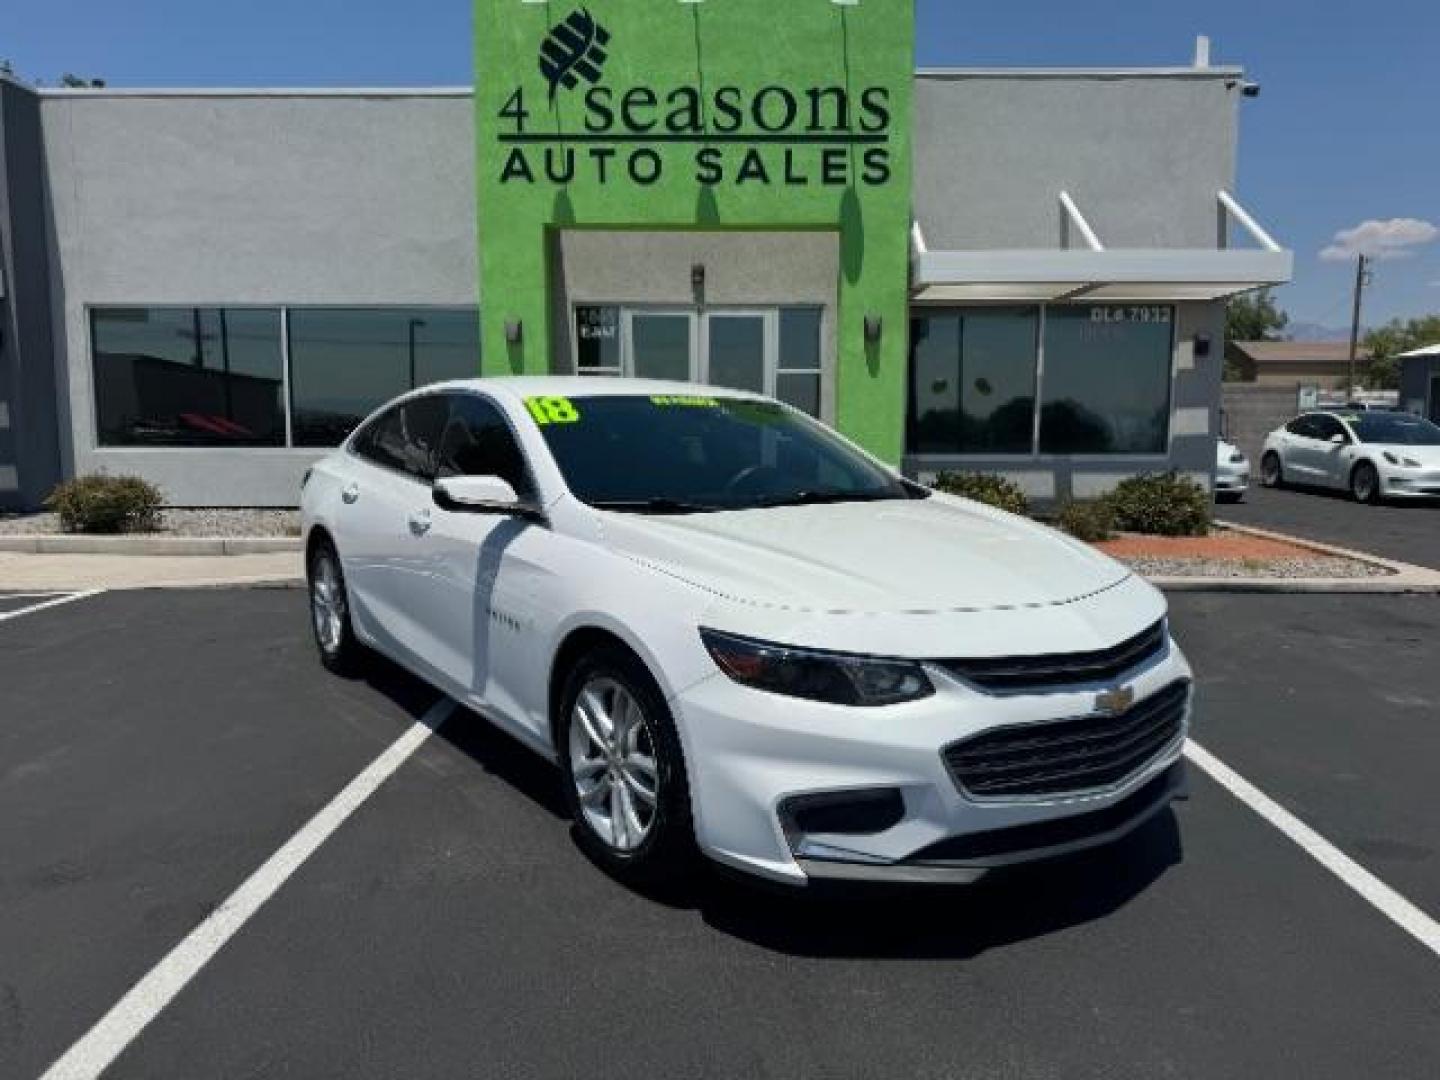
{"x":1409,"y":463}
{"x":817,"y":676}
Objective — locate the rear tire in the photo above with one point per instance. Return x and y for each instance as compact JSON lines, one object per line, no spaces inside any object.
{"x":340,"y":651}
{"x":624,"y":771}
{"x":1272,"y":472}
{"x":1365,"y":483}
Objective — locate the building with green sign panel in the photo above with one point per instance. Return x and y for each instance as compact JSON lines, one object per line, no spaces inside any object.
{"x":717,"y":137}
{"x":1018,"y":271}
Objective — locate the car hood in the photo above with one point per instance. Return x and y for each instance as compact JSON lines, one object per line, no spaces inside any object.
{"x":1426,"y":455}
{"x":937,"y":554}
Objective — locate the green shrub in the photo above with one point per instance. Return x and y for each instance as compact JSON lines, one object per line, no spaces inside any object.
{"x":106,"y":504}
{"x":991,"y":490}
{"x":1092,"y":522}
{"x":1162,"y":505}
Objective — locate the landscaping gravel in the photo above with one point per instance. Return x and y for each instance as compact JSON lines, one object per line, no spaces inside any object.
{"x":1319,"y":567}
{"x":206,"y":523}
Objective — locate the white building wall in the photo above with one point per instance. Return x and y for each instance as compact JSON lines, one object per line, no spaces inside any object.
{"x":347,"y":198}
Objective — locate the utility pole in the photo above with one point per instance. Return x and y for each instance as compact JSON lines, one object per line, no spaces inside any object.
{"x":1362,"y":278}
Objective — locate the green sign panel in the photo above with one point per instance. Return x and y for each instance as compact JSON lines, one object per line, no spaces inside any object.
{"x":723,"y":115}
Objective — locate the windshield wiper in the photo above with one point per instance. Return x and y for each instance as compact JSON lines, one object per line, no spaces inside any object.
{"x":653,"y":506}
{"x":828,"y":497}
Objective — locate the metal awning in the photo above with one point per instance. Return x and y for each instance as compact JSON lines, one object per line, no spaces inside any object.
{"x":1418,"y":354}
{"x":1094,"y":272}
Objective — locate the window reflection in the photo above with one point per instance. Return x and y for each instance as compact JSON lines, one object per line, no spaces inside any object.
{"x":346,"y":362}
{"x":188,"y":377}
{"x":973,"y":381}
{"x":1107,"y":380}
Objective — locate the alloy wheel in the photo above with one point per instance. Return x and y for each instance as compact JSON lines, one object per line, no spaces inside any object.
{"x":1364,"y":483}
{"x":612,"y":763}
{"x":327,"y":603}
{"x":1270,"y":470}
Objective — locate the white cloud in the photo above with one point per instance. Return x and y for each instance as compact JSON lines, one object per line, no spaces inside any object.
{"x":1381,"y":240}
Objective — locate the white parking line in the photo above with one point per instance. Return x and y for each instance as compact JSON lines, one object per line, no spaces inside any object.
{"x":1382,"y":897}
{"x":104,"y":1042}
{"x":56,"y":602}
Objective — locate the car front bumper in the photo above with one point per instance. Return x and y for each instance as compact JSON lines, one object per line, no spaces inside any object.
{"x":1402,"y":483}
{"x":753,"y":755}
{"x":1232,"y":479}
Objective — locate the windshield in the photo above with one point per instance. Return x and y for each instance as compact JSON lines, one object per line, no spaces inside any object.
{"x":1401,"y":429}
{"x":702,"y":454}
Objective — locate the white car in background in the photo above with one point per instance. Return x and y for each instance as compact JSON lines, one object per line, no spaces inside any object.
{"x":735,"y":631}
{"x":1372,"y":454}
{"x":1232,"y":472}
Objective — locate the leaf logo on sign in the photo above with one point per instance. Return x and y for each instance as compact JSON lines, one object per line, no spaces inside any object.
{"x":573,"y":50}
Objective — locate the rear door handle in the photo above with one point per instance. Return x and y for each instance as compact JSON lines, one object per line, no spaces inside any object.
{"x":350,"y":493}
{"x":420,"y":522}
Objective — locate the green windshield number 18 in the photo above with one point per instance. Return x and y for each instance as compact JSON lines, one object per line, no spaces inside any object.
{"x":552,"y":410}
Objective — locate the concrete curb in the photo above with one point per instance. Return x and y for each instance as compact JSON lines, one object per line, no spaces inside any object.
{"x":70,"y":544}
{"x":1403,"y":578}
{"x":1298,"y":586}
{"x":276,"y":583}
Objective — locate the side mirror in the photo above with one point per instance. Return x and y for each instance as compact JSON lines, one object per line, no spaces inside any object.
{"x":1339,"y":439}
{"x":480,"y":495}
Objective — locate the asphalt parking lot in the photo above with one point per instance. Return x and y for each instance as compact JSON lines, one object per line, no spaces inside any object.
{"x":156,"y":748}
{"x":1408,"y":532}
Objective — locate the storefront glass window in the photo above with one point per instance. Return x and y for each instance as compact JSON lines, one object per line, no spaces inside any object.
{"x":188,"y":377}
{"x":1107,"y":379}
{"x":345,"y":362}
{"x":797,"y":375}
{"x":973,"y":381}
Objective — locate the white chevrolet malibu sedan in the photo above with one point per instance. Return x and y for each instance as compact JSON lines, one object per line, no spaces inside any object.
{"x":736,"y":632}
{"x":1374,"y":455}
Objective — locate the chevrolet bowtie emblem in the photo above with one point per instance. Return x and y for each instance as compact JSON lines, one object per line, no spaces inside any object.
{"x":1115,"y":701}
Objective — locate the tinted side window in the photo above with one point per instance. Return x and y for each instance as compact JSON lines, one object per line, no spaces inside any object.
{"x":1303,"y":426}
{"x":476,"y":441}
{"x":424,"y":421}
{"x":404,"y":438}
{"x":383,"y":440}
{"x":1327,"y":427}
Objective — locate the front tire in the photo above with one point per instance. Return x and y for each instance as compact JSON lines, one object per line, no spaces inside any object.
{"x":1272,"y":472}
{"x":624,"y":772}
{"x":340,"y":651}
{"x":1365,"y":483}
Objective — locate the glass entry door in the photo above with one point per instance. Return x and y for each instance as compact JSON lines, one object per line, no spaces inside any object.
{"x":738,"y":350}
{"x":774,"y":351}
{"x":660,"y":345}
{"x":729,"y":348}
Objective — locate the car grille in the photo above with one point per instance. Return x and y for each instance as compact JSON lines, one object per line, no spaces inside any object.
{"x":1069,"y":756}
{"x":1022,"y":674}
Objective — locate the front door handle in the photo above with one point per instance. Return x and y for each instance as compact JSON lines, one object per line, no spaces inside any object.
{"x":350,"y":493}
{"x":420,"y":522}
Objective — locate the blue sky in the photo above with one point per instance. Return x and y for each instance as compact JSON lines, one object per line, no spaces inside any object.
{"x":1346,"y":130}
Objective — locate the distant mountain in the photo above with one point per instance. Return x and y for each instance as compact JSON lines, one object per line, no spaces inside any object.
{"x":1300,"y":331}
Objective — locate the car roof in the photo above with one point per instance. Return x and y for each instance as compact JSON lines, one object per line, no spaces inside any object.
{"x":577,"y":386}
